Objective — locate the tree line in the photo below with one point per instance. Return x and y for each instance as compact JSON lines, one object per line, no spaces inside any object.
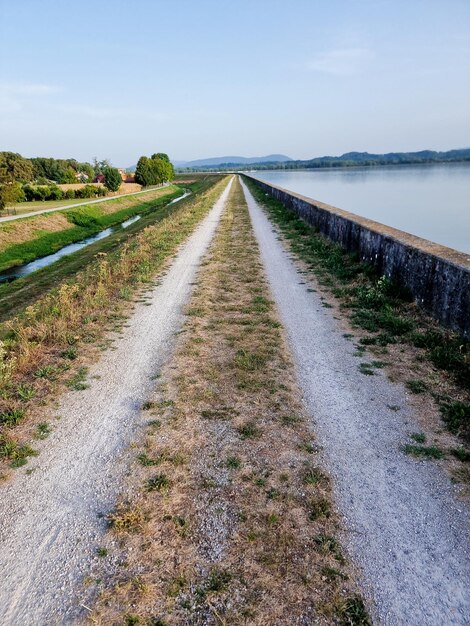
{"x":350,"y":159}
{"x":23,"y":179}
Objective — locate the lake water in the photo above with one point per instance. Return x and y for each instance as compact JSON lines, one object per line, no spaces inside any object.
{"x":430,"y":201}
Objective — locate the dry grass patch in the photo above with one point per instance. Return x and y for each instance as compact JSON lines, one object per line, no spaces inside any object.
{"x":244,"y":532}
{"x":19,"y":231}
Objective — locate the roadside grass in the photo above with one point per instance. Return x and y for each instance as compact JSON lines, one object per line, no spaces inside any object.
{"x":386,"y":317}
{"x":43,"y":348}
{"x":245,"y":530}
{"x":25,"y":240}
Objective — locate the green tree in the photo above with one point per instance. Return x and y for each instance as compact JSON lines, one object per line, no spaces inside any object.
{"x":88,"y":171}
{"x":15,"y":168}
{"x":143,"y":172}
{"x":100,"y":166}
{"x":155,"y":170}
{"x":112,"y":179}
{"x":9,"y":193}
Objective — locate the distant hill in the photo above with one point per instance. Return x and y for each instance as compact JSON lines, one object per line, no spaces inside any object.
{"x":349,"y":159}
{"x":233,"y":160}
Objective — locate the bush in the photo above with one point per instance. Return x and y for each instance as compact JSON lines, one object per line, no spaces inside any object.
{"x":69,"y":194}
{"x":29,"y":193}
{"x":55,"y":193}
{"x":89,"y":191}
{"x":41,"y":193}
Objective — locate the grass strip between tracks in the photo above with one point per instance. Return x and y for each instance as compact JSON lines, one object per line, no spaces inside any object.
{"x":228,"y":517}
{"x":46,"y":348}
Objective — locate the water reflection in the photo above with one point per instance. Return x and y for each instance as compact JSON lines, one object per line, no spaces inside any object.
{"x":431,"y":201}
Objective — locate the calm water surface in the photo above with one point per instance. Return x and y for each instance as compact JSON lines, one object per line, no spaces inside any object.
{"x":430,"y":201}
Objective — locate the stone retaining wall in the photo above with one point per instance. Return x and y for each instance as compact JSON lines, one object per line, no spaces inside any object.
{"x":438,"y":277}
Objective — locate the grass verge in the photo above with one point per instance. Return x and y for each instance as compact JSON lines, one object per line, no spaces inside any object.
{"x":40,"y":348}
{"x":236,"y":525}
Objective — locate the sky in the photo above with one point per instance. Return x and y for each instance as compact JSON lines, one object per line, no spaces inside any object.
{"x":199,"y":78}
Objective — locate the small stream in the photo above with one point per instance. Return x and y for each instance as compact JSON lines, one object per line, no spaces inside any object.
{"x":20,"y":271}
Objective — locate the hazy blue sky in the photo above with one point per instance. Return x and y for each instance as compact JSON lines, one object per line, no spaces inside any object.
{"x":199,"y":78}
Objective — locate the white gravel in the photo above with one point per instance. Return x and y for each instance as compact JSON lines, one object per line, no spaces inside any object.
{"x":50,"y":523}
{"x":403,"y":524}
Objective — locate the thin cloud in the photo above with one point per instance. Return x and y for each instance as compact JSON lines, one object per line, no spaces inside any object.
{"x":341,"y":62}
{"x":14,"y":97}
{"x":27,"y":89}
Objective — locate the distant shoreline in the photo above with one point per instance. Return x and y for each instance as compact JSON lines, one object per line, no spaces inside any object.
{"x":347,"y":160}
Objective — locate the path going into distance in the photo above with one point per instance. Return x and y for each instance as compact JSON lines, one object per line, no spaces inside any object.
{"x":403,"y":525}
{"x":10,"y":218}
{"x":50,"y":524}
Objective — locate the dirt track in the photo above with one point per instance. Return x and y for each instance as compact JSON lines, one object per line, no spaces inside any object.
{"x":403,"y":523}
{"x":50,"y":520}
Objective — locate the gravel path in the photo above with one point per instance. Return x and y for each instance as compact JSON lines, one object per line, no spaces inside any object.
{"x":49,"y":521}
{"x":10,"y":218}
{"x":404,"y":526}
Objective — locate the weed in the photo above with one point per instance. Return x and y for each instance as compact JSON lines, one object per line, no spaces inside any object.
{"x":70,"y":353}
{"x":416,"y":386}
{"x":308,"y":447}
{"x":220,"y":413}
{"x":233,"y":462}
{"x":273,"y":519}
{"x":353,"y":613}
{"x":159,"y":482}
{"x":77,"y":382}
{"x":290,"y":420}
{"x":181,"y":524}
{"x":273,"y":493}
{"x":327,"y":544}
{"x":148,"y":461}
{"x":15,"y":452}
{"x":249,"y":430}
{"x":456,"y":415}
{"x":12,"y":417}
{"x":319,"y":507}
{"x":49,"y":372}
{"x":313,"y":476}
{"x":460,"y":453}
{"x":218,"y":581}
{"x":378,"y":364}
{"x":25,"y":392}
{"x":429,"y":452}
{"x":331,"y":573}
{"x":418,"y":437}
{"x":147,"y":406}
{"x":366,"y":369}
{"x":126,"y":519}
{"x":176,"y":585}
{"x":43,"y":430}
{"x":101,"y":552}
